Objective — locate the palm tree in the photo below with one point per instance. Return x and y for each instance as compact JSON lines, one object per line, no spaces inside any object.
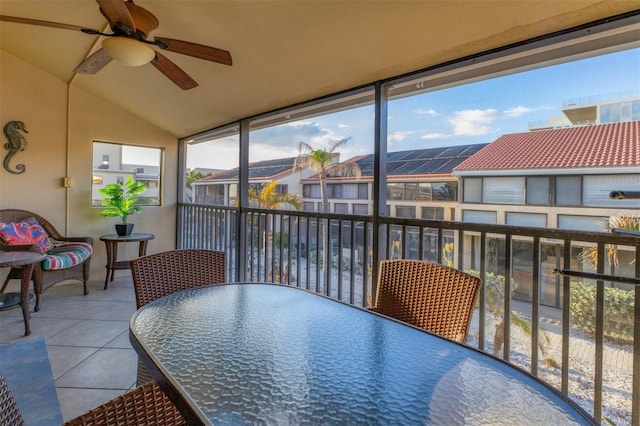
{"x":322,"y":161}
{"x":267,"y":197}
{"x":193,"y":175}
{"x":619,"y":222}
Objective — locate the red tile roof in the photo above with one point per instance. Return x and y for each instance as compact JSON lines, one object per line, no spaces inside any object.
{"x":604,"y":145}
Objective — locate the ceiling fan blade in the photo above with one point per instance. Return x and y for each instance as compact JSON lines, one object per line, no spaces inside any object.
{"x":173,"y":72}
{"x":18,"y":20}
{"x":94,"y":63}
{"x":116,"y":12}
{"x":196,"y":50}
{"x":145,"y":20}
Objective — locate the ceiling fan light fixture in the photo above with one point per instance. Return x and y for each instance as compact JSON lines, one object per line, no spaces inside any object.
{"x":128,"y":51}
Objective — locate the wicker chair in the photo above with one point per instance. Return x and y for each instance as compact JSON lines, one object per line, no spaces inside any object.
{"x":44,"y":279}
{"x":143,"y":406}
{"x":428,"y":295}
{"x":10,"y":414}
{"x":159,"y":274}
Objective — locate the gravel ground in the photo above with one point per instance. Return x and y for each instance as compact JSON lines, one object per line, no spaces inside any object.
{"x":617,"y":370}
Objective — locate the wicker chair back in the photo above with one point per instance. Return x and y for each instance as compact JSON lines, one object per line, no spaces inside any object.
{"x":160,"y":274}
{"x":428,"y":295}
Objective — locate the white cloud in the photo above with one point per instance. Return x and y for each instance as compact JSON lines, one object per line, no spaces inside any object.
{"x":473,"y":122}
{"x":260,"y":152}
{"x":343,"y":126}
{"x":398,"y":136}
{"x":301,"y":124}
{"x":429,"y":111}
{"x":435,"y":136}
{"x":517,"y":111}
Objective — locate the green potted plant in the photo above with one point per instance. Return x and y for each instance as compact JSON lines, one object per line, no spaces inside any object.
{"x":120,"y":201}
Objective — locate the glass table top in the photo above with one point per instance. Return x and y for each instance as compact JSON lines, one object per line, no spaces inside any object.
{"x":270,"y":354}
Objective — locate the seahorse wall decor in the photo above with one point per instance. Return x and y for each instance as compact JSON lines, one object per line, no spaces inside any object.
{"x":16,"y":143}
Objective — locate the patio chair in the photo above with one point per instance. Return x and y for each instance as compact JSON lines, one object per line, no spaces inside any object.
{"x":159,"y":274}
{"x":10,"y":414}
{"x":68,"y":258}
{"x":144,"y":405}
{"x":428,"y":295}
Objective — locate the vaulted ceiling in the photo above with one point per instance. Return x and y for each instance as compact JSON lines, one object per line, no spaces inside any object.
{"x":283,"y":52}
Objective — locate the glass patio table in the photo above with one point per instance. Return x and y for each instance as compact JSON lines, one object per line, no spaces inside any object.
{"x":272,"y":354}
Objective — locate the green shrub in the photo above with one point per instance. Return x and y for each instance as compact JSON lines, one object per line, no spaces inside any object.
{"x":285,"y":240}
{"x":618,"y":311}
{"x":494,"y":291}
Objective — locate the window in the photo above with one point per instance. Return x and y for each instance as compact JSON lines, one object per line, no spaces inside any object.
{"x":582,"y":223}
{"x":498,"y":190}
{"x":395,"y":191}
{"x":341,"y":208}
{"x":620,"y":112}
{"x":406,"y":211}
{"x":361,"y":209}
{"x":282,"y":189}
{"x":568,"y":190}
{"x":280,"y":139}
{"x":473,"y":190}
{"x":233,"y":194}
{"x":445,"y":191}
{"x":424,"y":192}
{"x":116,"y":162}
{"x":363,"y":191}
{"x":311,"y":190}
{"x":538,"y":191}
{"x":527,"y":219}
{"x":477,"y":216}
{"x":597,"y":189}
{"x":433,"y":213}
{"x":411,"y":191}
{"x":308,"y":206}
{"x":334,"y":191}
{"x":211,"y":156}
{"x":214,"y":195}
{"x":350,"y":191}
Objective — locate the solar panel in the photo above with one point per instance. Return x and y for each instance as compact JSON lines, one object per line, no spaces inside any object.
{"x":409,"y":162}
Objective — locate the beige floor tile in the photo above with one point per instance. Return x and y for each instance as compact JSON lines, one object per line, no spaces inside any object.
{"x":64,"y":358}
{"x":87,"y":339}
{"x":122,"y":341}
{"x":106,"y":369}
{"x":77,"y":401}
{"x":91,"y":333}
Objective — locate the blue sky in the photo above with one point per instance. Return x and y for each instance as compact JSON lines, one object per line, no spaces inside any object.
{"x":472,"y":113}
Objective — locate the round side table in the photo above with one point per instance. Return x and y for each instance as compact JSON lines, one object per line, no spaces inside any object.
{"x":111,"y":242}
{"x":26,"y":260}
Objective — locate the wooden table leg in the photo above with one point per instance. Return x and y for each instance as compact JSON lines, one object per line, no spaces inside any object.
{"x":114,"y":258}
{"x":27,"y":270}
{"x":109,"y":246}
{"x":142,"y":249}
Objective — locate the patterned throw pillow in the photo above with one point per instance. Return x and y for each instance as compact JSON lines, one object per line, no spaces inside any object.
{"x":26,"y":232}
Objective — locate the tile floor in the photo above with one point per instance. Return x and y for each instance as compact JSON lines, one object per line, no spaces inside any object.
{"x":87,"y":338}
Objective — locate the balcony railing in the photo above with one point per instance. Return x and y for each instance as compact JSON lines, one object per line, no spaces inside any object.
{"x":573,"y":317}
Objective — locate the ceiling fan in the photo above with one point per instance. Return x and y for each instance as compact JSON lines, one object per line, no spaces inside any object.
{"x":130,"y":25}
